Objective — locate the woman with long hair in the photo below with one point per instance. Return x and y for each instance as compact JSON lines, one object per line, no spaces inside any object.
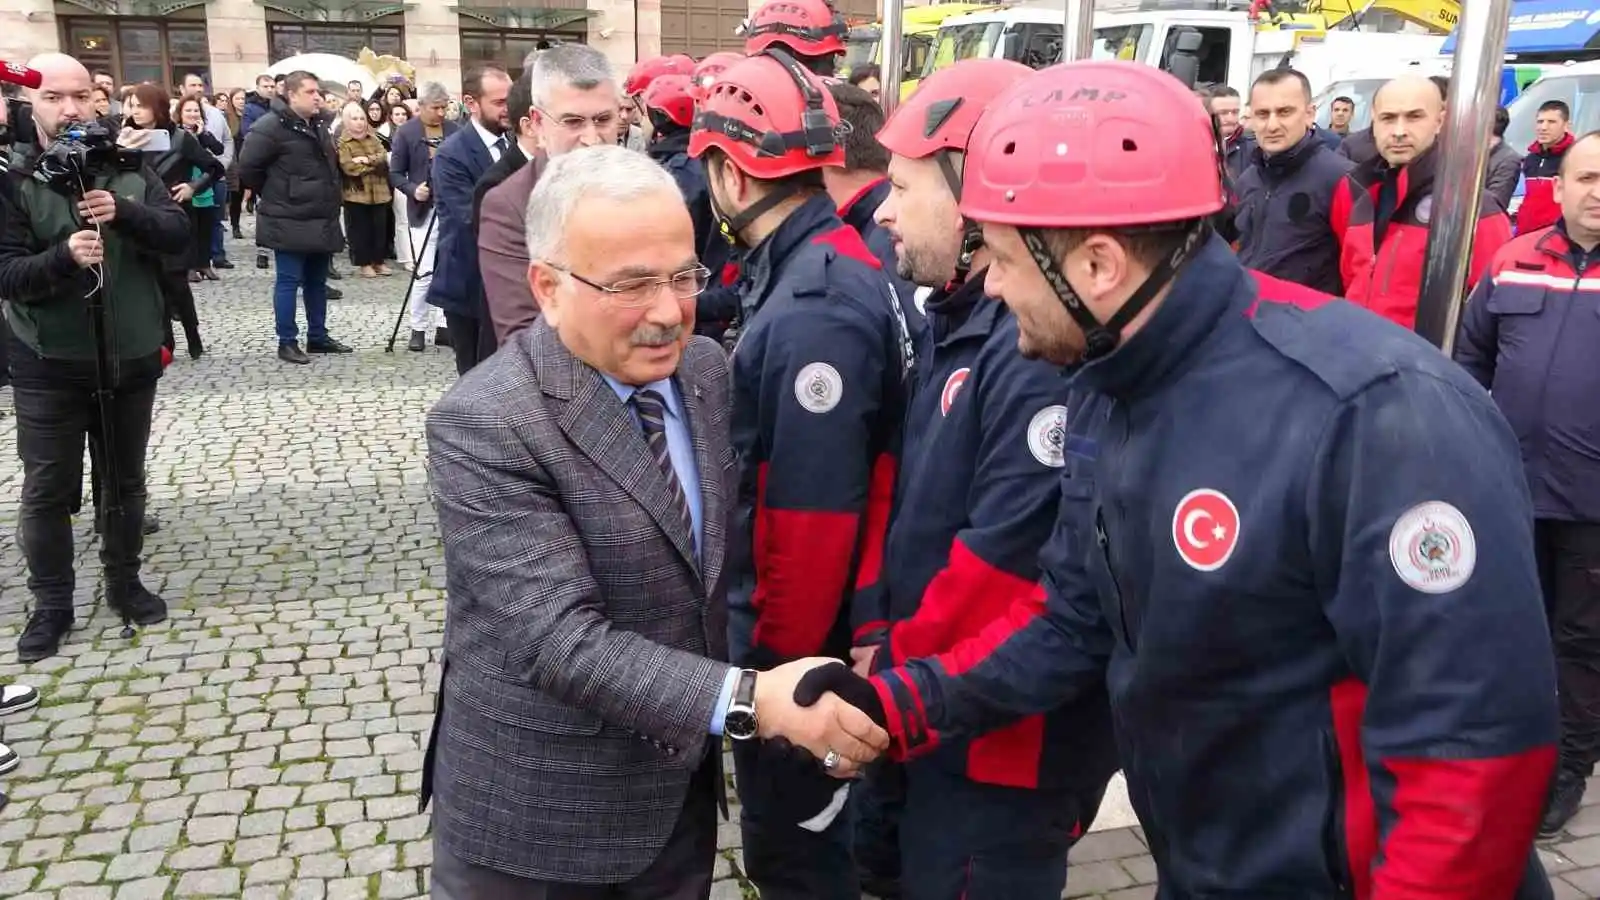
{"x":393,"y":96}
{"x":399,"y":114}
{"x":100,"y":98}
{"x":203,"y":209}
{"x":367,"y":196}
{"x":186,"y":169}
{"x":235,"y":113}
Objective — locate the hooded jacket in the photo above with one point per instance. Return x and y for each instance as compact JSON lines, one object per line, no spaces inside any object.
{"x":1539,"y":170}
{"x":292,"y":166}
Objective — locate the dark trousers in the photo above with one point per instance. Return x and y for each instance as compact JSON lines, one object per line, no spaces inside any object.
{"x":1569,"y":572}
{"x":681,"y":872}
{"x":179,"y":300}
{"x":297,"y":271}
{"x":202,"y":222}
{"x":235,"y":209}
{"x":470,"y":338}
{"x":54,"y":416}
{"x":962,"y":840}
{"x":363,"y":228}
{"x":878,"y":802}
{"x":213,"y":235}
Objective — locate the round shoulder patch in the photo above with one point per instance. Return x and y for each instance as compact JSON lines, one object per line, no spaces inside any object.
{"x":818,"y":387}
{"x":1432,"y":547}
{"x":952,"y":387}
{"x":1047,"y":436}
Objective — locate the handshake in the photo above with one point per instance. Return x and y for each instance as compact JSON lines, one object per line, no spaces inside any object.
{"x":824,"y":711}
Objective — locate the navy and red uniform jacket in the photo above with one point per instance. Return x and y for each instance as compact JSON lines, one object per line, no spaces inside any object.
{"x":981,"y":464}
{"x":1303,"y":561}
{"x":1531,"y":334}
{"x":819,"y":378}
{"x":1386,"y":237}
{"x":1540,"y":167}
{"x":858,"y":212}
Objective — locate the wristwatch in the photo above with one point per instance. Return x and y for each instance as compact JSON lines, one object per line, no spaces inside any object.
{"x":740,"y":721}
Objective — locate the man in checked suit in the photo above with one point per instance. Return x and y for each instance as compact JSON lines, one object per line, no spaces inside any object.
{"x":584,"y":483}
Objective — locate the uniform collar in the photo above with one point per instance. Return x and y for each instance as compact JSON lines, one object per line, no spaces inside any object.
{"x":809,"y":219}
{"x":858,"y":210}
{"x":964,"y":312}
{"x":1289,"y":160}
{"x":1211,"y":285}
{"x":666,"y":147}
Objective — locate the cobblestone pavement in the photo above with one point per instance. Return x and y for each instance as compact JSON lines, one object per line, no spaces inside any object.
{"x":266,"y":742}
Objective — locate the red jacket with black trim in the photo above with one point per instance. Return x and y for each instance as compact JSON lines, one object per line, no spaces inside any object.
{"x":819,"y":384}
{"x":1540,"y":167}
{"x":1324,"y":640}
{"x":984,"y":448}
{"x":1387,"y":237}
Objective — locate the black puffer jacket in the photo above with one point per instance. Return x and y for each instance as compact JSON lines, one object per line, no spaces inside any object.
{"x":292,"y":166}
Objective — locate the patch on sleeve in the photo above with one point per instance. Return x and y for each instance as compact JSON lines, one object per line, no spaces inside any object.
{"x":952,"y":387}
{"x":818,"y":387}
{"x":1432,"y":547}
{"x":1047,"y":436}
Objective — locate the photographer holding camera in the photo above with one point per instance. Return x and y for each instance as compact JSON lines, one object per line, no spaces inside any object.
{"x":81,"y":247}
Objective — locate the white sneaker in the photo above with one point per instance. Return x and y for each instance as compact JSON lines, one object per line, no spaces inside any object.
{"x":8,"y":759}
{"x":15,"y":698}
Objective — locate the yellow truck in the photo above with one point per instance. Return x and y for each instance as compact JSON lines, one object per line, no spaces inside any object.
{"x":919,"y":26}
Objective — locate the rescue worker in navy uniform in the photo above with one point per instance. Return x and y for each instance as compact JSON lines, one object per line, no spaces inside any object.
{"x":1295,"y":195}
{"x":818,"y":376}
{"x":812,"y":31}
{"x":990,"y":818}
{"x":670,"y":106}
{"x":1301,"y":557}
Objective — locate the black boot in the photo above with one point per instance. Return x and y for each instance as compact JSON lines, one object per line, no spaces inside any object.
{"x":441,"y":337}
{"x":418,"y":342}
{"x":335,"y":294}
{"x":135,"y":603}
{"x":261,"y":259}
{"x":41,"y":637}
{"x":1566,"y":795}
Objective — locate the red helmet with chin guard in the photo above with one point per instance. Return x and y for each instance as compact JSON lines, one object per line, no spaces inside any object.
{"x":772,"y":117}
{"x":645,"y":71}
{"x":707,"y":70}
{"x":806,"y":27}
{"x":670,"y":95}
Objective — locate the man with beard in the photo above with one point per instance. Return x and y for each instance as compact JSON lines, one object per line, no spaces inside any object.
{"x":990,"y":818}
{"x":819,"y":392}
{"x":571,"y":103}
{"x":1267,"y":545}
{"x":464,"y":157}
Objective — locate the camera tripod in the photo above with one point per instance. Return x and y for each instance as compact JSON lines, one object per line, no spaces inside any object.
{"x":416,"y":271}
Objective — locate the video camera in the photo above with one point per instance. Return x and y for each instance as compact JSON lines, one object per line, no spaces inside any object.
{"x":81,"y":151}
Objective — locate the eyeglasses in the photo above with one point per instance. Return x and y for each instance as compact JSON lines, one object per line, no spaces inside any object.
{"x":574,"y":122}
{"x":636,"y":292}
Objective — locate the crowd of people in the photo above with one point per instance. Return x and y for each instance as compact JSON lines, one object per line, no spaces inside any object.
{"x":1129,"y":488}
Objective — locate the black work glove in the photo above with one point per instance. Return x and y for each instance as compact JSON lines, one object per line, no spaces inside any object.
{"x":851,"y":688}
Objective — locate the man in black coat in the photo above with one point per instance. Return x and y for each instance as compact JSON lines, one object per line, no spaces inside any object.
{"x":290,"y":163}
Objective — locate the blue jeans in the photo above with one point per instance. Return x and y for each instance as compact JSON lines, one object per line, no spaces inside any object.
{"x":220,"y":192}
{"x":295,"y":270}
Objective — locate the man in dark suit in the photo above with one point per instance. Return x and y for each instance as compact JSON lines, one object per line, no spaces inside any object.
{"x":571,"y":102}
{"x":414,"y":145}
{"x":462,"y":159}
{"x":585,"y":482}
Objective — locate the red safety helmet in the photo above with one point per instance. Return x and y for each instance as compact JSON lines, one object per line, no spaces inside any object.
{"x":941,"y":113}
{"x":806,"y":27}
{"x":1094,"y":144}
{"x":645,"y":71}
{"x":771,"y":116}
{"x":670,"y":94}
{"x":707,"y":70}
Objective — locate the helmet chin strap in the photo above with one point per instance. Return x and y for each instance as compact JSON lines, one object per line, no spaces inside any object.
{"x":1100,"y":338}
{"x":732,"y":226}
{"x":971,"y":233}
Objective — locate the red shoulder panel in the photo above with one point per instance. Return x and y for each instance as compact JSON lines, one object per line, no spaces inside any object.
{"x":848,"y":242}
{"x":1276,"y":290}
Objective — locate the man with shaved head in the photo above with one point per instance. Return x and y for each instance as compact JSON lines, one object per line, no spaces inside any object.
{"x":1387,"y":235}
{"x":57,"y":248}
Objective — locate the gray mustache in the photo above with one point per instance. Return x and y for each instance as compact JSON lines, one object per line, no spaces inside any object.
{"x":654,"y":336}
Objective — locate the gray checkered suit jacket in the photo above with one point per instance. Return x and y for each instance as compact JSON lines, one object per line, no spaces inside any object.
{"x":582,"y":642}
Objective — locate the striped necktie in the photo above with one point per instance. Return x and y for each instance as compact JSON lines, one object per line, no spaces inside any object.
{"x":653,"y":421}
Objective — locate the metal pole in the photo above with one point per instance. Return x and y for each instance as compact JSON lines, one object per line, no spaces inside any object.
{"x":1463,"y":149}
{"x":893,"y":65}
{"x":1077,"y":32}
